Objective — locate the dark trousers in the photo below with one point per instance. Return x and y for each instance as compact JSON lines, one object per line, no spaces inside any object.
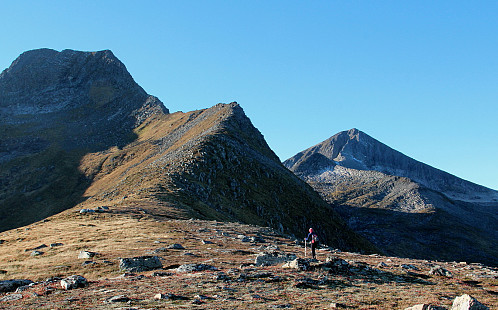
{"x":313,"y":248}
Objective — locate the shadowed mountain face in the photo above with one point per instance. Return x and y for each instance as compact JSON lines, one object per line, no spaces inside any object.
{"x":54,"y":108}
{"x":78,"y":131}
{"x":403,"y":206}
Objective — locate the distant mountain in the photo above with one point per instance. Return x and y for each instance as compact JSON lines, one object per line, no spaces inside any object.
{"x":403,"y":206}
{"x":77,"y":131}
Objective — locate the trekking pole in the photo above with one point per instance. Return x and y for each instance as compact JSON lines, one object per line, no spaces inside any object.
{"x":305,"y":248}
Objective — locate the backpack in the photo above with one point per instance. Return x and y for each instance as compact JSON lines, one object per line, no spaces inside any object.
{"x":314,"y":238}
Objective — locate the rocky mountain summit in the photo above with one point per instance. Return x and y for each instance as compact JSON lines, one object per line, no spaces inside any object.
{"x":78,"y":131}
{"x":403,"y":206}
{"x":55,"y":107}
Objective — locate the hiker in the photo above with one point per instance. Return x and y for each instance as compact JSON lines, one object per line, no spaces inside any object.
{"x":313,"y":239}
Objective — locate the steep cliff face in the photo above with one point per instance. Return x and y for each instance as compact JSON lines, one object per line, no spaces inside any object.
{"x":405,"y":207}
{"x":55,"y":107}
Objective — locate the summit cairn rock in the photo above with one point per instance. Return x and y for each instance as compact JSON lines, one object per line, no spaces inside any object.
{"x":467,"y":302}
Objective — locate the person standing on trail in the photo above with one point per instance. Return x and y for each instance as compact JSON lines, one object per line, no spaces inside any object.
{"x":313,"y":239}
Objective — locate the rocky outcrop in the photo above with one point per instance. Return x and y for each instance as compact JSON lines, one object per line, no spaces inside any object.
{"x":140,"y":263}
{"x":403,"y":206}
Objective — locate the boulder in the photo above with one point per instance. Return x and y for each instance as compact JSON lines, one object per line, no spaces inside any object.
{"x":195,"y":267}
{"x":176,"y":246}
{"x":119,"y":298}
{"x":11,"y":297}
{"x":74,"y":281}
{"x":298,"y":263}
{"x":140,"y":263}
{"x":83,"y":211}
{"x":87,"y":254}
{"x":440,"y":271}
{"x":425,"y":307}
{"x":273,"y":258}
{"x":467,"y":302}
{"x":12,"y":285}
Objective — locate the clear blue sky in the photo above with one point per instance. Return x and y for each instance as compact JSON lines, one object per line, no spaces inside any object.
{"x":420,"y":76}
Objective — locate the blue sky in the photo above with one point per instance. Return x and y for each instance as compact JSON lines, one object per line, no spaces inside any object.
{"x":419,"y":76}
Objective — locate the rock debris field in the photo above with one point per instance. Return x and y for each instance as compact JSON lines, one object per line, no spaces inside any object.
{"x":125,"y":260}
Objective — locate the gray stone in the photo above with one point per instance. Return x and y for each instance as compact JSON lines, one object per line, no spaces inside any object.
{"x":37,"y":253}
{"x":170,"y":296}
{"x":11,"y":297}
{"x":195,"y":267}
{"x":84,"y":211}
{"x":176,"y":246}
{"x":53,"y":245}
{"x":440,"y":271}
{"x":140,"y":263}
{"x":298,"y":263}
{"x":74,"y":281}
{"x":12,"y":285}
{"x":273,"y":258}
{"x":425,"y":307}
{"x":467,"y":302}
{"x":119,"y":298}
{"x":87,"y":254}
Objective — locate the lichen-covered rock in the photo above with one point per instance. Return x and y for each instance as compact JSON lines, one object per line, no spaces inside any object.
{"x":74,"y":281}
{"x":298,"y":263}
{"x":140,"y":263}
{"x":467,"y":302}
{"x":440,"y":271}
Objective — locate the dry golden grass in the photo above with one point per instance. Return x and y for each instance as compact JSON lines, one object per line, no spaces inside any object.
{"x":129,"y":231}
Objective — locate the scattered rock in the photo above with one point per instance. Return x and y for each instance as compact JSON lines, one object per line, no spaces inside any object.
{"x":382,"y":265}
{"x":140,"y":263}
{"x":159,"y":250}
{"x":176,"y":246}
{"x":53,"y":245}
{"x":207,"y":242}
{"x":74,"y":281}
{"x":334,"y":305}
{"x":298,"y":263}
{"x":161,"y":274}
{"x":11,"y":297}
{"x":87,"y":254}
{"x":3,"y":271}
{"x":407,"y":266}
{"x":425,"y":307}
{"x":37,"y":253}
{"x":195,"y":267}
{"x":118,"y":298}
{"x":84,"y":211}
{"x":273,"y":258}
{"x":2,"y":241}
{"x":170,"y":296}
{"x":102,"y":209}
{"x":467,"y":302}
{"x":440,"y":271}
{"x":88,"y":262}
